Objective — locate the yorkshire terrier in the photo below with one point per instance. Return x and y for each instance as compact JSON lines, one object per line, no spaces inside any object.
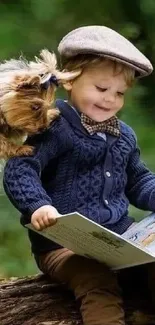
{"x":26,"y":95}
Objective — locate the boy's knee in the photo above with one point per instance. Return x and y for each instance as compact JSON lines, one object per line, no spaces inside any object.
{"x":81,"y":274}
{"x":91,"y":275}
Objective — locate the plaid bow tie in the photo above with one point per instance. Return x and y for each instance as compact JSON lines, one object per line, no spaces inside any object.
{"x":111,"y":125}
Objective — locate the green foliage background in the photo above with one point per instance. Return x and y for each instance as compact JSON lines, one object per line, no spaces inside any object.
{"x":27,"y":26}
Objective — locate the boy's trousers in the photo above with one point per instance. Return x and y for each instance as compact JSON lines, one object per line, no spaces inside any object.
{"x":93,"y":284}
{"x":96,"y":287}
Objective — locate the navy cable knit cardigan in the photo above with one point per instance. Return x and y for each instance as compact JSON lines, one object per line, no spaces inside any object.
{"x":75,"y":171}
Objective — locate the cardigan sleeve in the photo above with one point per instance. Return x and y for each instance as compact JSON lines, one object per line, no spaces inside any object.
{"x":22,"y":181}
{"x":140,"y":189}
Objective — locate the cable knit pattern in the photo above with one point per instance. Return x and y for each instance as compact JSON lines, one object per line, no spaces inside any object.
{"x":75,"y":171}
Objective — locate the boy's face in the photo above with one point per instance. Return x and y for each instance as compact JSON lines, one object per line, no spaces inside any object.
{"x":98,"y":92}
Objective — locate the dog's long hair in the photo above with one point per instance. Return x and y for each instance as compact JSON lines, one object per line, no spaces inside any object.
{"x":27,"y":90}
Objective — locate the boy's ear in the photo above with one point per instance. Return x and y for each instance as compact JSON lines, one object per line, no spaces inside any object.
{"x":68,"y":85}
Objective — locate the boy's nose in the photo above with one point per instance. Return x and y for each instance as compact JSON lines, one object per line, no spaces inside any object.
{"x":109,"y":98}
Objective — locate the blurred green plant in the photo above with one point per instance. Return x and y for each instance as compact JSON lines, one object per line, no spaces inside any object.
{"x":15,"y":253}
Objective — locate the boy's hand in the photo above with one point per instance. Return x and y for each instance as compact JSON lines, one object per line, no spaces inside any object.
{"x":44,"y":217}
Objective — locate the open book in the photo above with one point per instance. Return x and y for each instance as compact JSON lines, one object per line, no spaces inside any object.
{"x":85,"y":237}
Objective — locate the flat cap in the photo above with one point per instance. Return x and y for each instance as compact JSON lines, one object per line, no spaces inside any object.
{"x":104,"y":41}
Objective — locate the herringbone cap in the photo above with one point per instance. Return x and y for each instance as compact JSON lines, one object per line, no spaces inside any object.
{"x":103,"y":41}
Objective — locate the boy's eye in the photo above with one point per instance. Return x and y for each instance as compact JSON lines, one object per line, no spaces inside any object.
{"x":101,"y":89}
{"x":120,"y":94}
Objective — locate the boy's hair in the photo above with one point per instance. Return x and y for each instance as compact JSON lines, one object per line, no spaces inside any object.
{"x":83,"y":61}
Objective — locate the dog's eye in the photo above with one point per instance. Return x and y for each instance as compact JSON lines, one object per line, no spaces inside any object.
{"x":35,"y":107}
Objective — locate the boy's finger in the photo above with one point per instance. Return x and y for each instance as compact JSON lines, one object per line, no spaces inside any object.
{"x":36,"y":225}
{"x":52,"y":220}
{"x":42,"y":224}
{"x":46,"y":221}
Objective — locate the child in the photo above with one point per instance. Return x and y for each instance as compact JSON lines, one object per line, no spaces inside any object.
{"x":87,"y":161}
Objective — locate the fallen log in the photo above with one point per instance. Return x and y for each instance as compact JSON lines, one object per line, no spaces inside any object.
{"x":35,"y":301}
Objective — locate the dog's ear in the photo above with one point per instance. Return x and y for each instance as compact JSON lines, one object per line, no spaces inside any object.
{"x":27,"y":83}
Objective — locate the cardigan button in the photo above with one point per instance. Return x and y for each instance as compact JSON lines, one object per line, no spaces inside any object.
{"x":106,"y":201}
{"x":108,"y":174}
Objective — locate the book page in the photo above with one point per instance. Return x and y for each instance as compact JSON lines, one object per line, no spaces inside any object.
{"x":85,"y":237}
{"x":143,"y":233}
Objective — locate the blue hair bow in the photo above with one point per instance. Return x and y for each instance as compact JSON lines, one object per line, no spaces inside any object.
{"x":45,"y":84}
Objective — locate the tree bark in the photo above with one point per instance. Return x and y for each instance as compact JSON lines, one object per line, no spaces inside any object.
{"x":36,"y":301}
